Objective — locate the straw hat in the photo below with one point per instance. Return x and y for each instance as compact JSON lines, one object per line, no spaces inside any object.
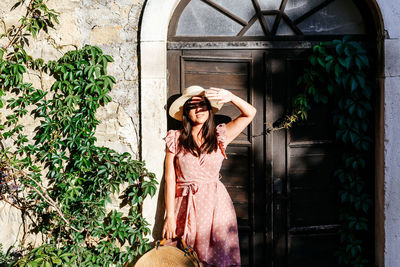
{"x":176,"y":108}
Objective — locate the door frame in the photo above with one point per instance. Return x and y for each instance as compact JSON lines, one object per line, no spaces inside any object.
{"x":156,"y":15}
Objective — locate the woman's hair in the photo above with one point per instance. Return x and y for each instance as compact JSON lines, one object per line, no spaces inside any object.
{"x":208,"y":131}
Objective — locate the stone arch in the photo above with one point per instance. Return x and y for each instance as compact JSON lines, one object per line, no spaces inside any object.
{"x":153,"y":93}
{"x":156,"y":16}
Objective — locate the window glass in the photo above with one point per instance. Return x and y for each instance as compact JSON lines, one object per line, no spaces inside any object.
{"x":200,"y":19}
{"x":339,"y":17}
{"x":269,"y":4}
{"x":284,"y":29}
{"x":296,"y":8}
{"x":241,"y":8}
{"x":270,"y":21}
{"x":255,"y":29}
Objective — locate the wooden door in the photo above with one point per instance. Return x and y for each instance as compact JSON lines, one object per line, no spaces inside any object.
{"x":304,"y":213}
{"x":279,"y":182}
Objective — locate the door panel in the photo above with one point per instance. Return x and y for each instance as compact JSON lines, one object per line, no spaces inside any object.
{"x":305,"y":202}
{"x":280,"y":182}
{"x":216,"y":67}
{"x":227,"y":80}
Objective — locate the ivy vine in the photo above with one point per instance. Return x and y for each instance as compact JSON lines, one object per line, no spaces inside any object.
{"x":338,"y":73}
{"x":56,"y":176}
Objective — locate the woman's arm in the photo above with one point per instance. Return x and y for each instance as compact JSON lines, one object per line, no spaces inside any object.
{"x":170,"y":222}
{"x":236,"y":126}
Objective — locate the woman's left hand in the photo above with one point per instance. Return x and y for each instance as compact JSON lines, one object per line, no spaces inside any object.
{"x":221,"y":95}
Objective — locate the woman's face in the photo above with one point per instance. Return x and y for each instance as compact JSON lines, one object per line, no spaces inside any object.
{"x":198,"y":111}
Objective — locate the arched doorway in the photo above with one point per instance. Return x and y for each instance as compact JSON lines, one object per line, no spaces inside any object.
{"x":281,"y":183}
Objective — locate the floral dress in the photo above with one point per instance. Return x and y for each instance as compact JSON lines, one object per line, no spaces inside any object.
{"x":205,"y":216}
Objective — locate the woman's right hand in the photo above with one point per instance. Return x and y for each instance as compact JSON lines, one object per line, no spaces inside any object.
{"x":169,"y":230}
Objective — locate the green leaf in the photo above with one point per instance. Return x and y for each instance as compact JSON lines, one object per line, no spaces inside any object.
{"x":112,"y":78}
{"x":328,"y":66}
{"x":109,"y":58}
{"x":342,"y":61}
{"x":102,"y":170}
{"x":79,"y":175}
{"x":313,"y":60}
{"x":353,"y":137}
{"x":153,"y":190}
{"x":364,"y":60}
{"x":361,"y":79}
{"x":348,"y":62}
{"x":321,"y":62}
{"x":345,"y":79}
{"x":357,"y":46}
{"x":339,"y":49}
{"x":354,"y":83}
{"x":346,"y":38}
{"x":71,"y":67}
{"x":338,"y":70}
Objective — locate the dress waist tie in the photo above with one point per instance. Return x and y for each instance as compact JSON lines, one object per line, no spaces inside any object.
{"x":189,"y":189}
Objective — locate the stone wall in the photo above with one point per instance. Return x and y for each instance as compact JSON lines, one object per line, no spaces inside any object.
{"x":112,"y":25}
{"x":391,"y":172}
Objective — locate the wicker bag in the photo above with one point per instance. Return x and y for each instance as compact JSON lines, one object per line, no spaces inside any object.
{"x":170,"y":256}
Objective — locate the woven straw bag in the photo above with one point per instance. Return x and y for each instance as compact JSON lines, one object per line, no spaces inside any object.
{"x":169,"y":256}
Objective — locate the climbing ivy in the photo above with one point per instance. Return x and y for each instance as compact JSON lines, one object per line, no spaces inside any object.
{"x":56,"y":175}
{"x":338,"y":73}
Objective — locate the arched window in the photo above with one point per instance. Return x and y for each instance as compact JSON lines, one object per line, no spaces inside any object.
{"x":265,"y":19}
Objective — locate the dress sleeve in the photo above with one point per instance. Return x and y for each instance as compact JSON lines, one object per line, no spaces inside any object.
{"x":171,"y":140}
{"x":221,"y":137}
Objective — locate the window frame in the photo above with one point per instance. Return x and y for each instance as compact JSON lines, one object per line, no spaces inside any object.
{"x":269,"y":34}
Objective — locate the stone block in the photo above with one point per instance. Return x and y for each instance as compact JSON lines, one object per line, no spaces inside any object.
{"x":67,"y":34}
{"x":392,"y":171}
{"x":128,"y":130}
{"x":391,"y":16}
{"x":392,"y":55}
{"x":123,"y":118}
{"x":124,"y":67}
{"x":125,"y":93}
{"x":107,"y":112}
{"x":106,"y":35}
{"x":64,"y":5}
{"x":10,"y":221}
{"x":11,"y":17}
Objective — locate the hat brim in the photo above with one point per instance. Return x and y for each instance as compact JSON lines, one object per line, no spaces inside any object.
{"x":176,"y":108}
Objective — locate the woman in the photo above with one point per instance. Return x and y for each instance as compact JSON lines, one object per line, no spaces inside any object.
{"x":198,"y":207}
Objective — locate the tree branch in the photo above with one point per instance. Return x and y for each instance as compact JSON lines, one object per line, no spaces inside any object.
{"x":45,"y":197}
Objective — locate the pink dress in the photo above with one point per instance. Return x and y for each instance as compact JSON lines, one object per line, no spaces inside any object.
{"x":204,"y":211}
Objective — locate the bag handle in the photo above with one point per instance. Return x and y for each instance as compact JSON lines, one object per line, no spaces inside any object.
{"x":161,"y":242}
{"x":187,"y":249}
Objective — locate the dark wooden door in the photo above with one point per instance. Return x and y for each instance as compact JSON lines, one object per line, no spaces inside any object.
{"x":300,"y":164}
{"x":279,"y":182}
